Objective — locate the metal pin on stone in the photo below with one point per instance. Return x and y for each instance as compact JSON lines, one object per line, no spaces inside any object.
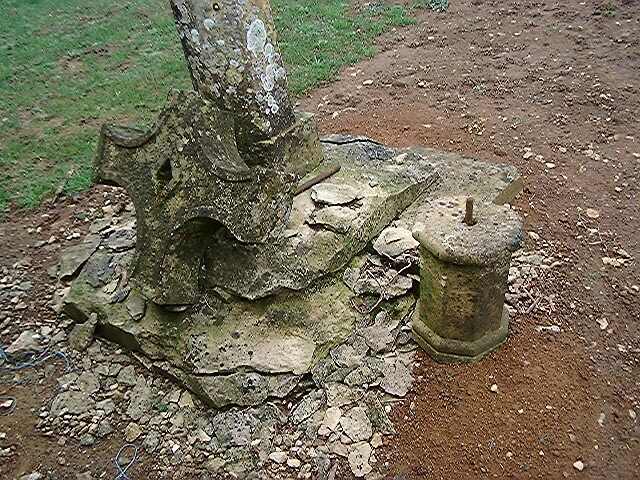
{"x":468,"y":215}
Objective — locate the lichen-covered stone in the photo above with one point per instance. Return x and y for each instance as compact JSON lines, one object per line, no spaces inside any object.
{"x":234,"y":61}
{"x":188,"y":179}
{"x":464,"y":271}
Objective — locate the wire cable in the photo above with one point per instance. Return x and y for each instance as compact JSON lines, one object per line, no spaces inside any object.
{"x":122,"y":471}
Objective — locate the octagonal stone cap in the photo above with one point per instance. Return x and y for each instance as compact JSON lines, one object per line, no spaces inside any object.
{"x":497,"y":230}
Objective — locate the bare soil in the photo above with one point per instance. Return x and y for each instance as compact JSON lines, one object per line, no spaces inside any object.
{"x":490,"y":80}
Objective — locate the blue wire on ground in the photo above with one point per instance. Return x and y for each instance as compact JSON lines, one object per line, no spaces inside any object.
{"x":122,"y":472}
{"x":33,"y":359}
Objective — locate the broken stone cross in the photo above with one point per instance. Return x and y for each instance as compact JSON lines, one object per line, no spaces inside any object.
{"x":224,"y":159}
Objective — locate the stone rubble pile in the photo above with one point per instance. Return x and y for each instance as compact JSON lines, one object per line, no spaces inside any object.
{"x":336,"y":417}
{"x":343,"y":414}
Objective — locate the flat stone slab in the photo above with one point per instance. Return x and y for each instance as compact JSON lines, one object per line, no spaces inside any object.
{"x":329,"y":224}
{"x":280,"y":313}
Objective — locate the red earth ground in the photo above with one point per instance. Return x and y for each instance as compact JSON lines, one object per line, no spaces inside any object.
{"x":492,"y":80}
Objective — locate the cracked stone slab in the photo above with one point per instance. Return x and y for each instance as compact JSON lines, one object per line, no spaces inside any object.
{"x":320,"y":237}
{"x":75,"y":257}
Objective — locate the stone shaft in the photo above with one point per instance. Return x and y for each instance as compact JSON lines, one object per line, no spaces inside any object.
{"x":233,"y":57}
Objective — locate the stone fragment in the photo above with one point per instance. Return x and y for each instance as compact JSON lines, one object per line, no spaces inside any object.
{"x":593,"y":213}
{"x":332,"y":418}
{"x":132,"y":432}
{"x":356,"y":425}
{"x":378,"y":414}
{"x":127,"y":376}
{"x":359,"y":456}
{"x":393,"y":242}
{"x":397,"y":377}
{"x":151,"y":441}
{"x":107,"y":406}
{"x":278,"y":457}
{"x":369,"y":373}
{"x":81,"y":335}
{"x":376,"y":440}
{"x":27,"y":342}
{"x":104,"y":429}
{"x":578,"y":465}
{"x":243,"y":389}
{"x":72,"y":402}
{"x":87,"y":440}
{"x":294,"y":463}
{"x":382,"y":332}
{"x":377,"y":280}
{"x":337,"y":219}
{"x":310,"y":404}
{"x":339,"y":448}
{"x":186,"y":400}
{"x":333,"y":194}
{"x":215,"y":464}
{"x":350,"y":354}
{"x":141,"y":400}
{"x":136,"y":306}
{"x":121,"y":239}
{"x":75,"y":257}
{"x":339,"y":394}
{"x":234,"y":429}
{"x":32,"y":476}
{"x":88,"y":383}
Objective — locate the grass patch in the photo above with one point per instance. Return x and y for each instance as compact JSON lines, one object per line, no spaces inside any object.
{"x":435,"y":5}
{"x":67,"y":67}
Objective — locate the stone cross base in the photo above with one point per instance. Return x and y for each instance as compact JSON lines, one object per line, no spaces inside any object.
{"x":273,"y":314}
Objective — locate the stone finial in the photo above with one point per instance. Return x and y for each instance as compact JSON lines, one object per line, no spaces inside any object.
{"x":465,"y":259}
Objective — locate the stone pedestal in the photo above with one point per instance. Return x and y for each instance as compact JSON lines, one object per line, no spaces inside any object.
{"x":463,"y":278}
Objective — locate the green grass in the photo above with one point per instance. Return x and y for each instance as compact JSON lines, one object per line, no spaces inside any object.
{"x":68,"y":66}
{"x":436,"y":5}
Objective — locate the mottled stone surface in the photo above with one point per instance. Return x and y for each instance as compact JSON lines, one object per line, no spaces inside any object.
{"x":188,"y":179}
{"x":233,"y":57}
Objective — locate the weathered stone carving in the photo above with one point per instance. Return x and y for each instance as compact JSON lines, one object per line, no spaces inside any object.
{"x":228,"y":155}
{"x":187,"y":178}
{"x":250,"y":279}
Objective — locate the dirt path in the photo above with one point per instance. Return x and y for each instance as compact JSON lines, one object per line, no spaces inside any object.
{"x":553,"y":89}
